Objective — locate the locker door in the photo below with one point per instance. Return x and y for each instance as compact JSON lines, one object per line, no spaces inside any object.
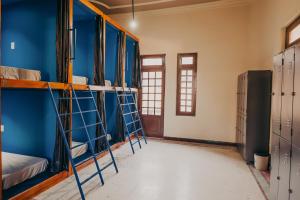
{"x":276,"y":99}
{"x":296,"y":105}
{"x":287,"y":94}
{"x":295,"y":174}
{"x":274,"y":182}
{"x":284,"y":170}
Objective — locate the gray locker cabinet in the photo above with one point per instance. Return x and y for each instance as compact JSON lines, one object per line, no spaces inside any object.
{"x":287,"y":94}
{"x":276,"y":93}
{"x":296,"y":103}
{"x":284,"y":170}
{"x":274,"y":181}
{"x":295,"y":174}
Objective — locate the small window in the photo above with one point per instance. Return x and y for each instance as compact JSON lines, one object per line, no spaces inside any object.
{"x":152,"y":62}
{"x":293,"y":33}
{"x":186,"y":84}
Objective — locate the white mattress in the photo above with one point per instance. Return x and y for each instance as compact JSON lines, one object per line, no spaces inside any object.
{"x":80,"y":80}
{"x":18,"y":168}
{"x":107,"y":83}
{"x":78,"y":151}
{"x":19,"y":73}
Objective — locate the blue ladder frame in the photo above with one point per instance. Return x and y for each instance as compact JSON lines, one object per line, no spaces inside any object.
{"x":128,"y":106}
{"x":90,"y":140}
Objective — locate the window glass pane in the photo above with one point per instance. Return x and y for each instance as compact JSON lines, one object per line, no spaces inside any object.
{"x":145,"y":82}
{"x":294,"y":34}
{"x":152,"y":75}
{"x":189,"y":109}
{"x":189,"y":97}
{"x":158,"y":74}
{"x":151,"y":82}
{"x":145,"y":89}
{"x":144,"y":111}
{"x":189,"y":84}
{"x":152,"y":61}
{"x":189,"y":103}
{"x":183,"y":96}
{"x":158,"y":112}
{"x":189,"y":91}
{"x":182,"y":103}
{"x":145,"y":104}
{"x":183,"y":72}
{"x":145,"y":75}
{"x":151,"y":111}
{"x":183,"y":84}
{"x":151,"y":104}
{"x":158,"y":97}
{"x":182,"y":108}
{"x":145,"y":97}
{"x":151,"y":89}
{"x":158,"y":104}
{"x":183,"y":91}
{"x":187,"y":60}
{"x":151,"y":96}
{"x":189,"y":78}
{"x":183,"y":78}
{"x":190,"y":72}
{"x":158,"y":82}
{"x":158,"y":90}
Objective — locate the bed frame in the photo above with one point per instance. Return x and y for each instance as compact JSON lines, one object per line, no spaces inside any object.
{"x":9,"y":84}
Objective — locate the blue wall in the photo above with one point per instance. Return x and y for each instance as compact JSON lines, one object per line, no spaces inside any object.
{"x":31,"y":24}
{"x":130,"y":56}
{"x":29,"y":120}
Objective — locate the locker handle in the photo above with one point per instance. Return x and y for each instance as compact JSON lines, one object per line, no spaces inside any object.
{"x":282,"y":93}
{"x":73,"y":38}
{"x":278,"y":177}
{"x":290,"y":191}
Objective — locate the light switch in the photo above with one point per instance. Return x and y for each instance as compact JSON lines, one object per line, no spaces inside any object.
{"x":12,"y":45}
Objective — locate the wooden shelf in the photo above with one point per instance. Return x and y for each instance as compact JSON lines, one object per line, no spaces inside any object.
{"x":24,"y":84}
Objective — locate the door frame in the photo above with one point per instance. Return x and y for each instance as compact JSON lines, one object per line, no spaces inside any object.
{"x":163,"y":70}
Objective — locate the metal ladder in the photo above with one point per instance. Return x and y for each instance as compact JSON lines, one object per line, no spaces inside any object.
{"x":131,"y":117}
{"x":85,"y":95}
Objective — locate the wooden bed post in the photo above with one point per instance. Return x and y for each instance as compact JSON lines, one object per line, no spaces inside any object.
{"x":124,"y":61}
{"x":70,"y":80}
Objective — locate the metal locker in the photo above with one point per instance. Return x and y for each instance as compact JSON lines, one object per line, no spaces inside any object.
{"x":287,"y":93}
{"x":274,"y":181}
{"x":284,"y":169}
{"x":296,"y":105}
{"x":295,"y":174}
{"x":276,"y":93}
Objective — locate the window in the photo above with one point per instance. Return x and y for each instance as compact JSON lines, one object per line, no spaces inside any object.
{"x":152,"y":84}
{"x":293,"y":33}
{"x":186,"y":84}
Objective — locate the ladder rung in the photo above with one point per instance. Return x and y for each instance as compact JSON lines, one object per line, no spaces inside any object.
{"x":79,"y":98}
{"x":75,"y":113}
{"x":124,"y":104}
{"x":90,"y":157}
{"x":98,"y":138}
{"x":89,"y":178}
{"x":132,"y":122}
{"x":135,"y":142}
{"x":130,"y":113}
{"x":137,"y":130}
{"x":106,"y":166}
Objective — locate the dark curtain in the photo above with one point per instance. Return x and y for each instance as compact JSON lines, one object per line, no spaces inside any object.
{"x":118,"y":83}
{"x":60,"y":157}
{"x":136,"y":79}
{"x":120,"y":61}
{"x":99,"y":80}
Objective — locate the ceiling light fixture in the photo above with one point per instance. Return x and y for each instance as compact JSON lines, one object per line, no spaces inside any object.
{"x":133,"y":23}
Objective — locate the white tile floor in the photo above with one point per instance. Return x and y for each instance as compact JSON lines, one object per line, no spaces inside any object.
{"x":168,"y":171}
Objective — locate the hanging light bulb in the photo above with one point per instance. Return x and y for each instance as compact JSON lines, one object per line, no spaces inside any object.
{"x":133,"y":23}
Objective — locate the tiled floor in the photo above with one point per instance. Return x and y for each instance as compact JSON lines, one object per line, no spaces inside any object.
{"x":168,"y":171}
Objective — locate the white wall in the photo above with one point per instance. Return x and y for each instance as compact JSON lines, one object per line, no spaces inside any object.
{"x":267,"y":22}
{"x":230,"y":36}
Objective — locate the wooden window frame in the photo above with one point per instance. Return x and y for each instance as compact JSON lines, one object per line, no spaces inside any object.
{"x":194,"y":82}
{"x":289,"y":28}
{"x":152,"y":68}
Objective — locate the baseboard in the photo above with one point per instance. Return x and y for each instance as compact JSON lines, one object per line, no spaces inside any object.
{"x":201,"y":141}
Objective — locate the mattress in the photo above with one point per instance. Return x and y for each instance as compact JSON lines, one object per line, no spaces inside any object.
{"x":107,"y":83}
{"x":19,"y":73}
{"x":18,"y":168}
{"x":78,"y":151}
{"x":80,"y":80}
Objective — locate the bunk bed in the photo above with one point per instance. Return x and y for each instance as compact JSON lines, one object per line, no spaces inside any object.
{"x":28,"y":63}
